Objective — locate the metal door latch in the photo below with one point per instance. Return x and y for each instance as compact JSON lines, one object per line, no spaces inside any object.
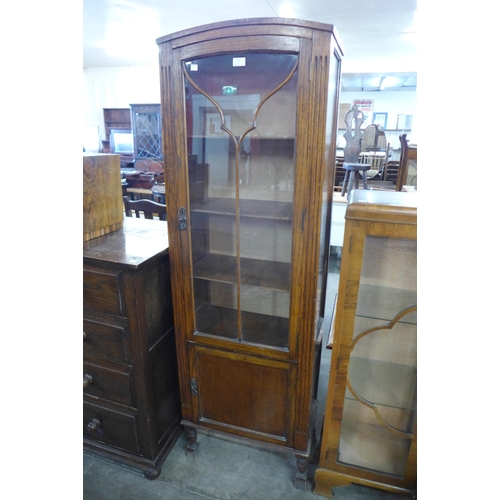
{"x":182,"y":225}
{"x":194,"y":387}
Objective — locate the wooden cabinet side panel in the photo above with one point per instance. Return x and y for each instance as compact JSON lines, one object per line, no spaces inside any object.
{"x":308,"y":228}
{"x":102,"y":195}
{"x":147,"y":295}
{"x":165,"y":410}
{"x":176,"y":182}
{"x":157,"y":301}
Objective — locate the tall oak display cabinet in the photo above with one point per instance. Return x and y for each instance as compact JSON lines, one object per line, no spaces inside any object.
{"x":370,"y":430}
{"x":249,"y":111}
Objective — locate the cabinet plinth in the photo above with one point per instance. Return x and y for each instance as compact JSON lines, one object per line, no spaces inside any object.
{"x":370,"y":429}
{"x":249,"y":134}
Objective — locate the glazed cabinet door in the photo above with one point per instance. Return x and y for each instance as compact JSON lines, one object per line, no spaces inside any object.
{"x":371,"y":434}
{"x":378,"y":425}
{"x":146,"y":128}
{"x":241,"y":123}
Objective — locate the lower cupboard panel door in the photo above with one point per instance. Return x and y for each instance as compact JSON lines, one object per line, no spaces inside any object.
{"x":244,"y":393}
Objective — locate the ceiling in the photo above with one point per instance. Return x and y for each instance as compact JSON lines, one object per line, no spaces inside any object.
{"x":378,"y":37}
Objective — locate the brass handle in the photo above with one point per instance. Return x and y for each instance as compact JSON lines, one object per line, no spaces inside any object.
{"x":93,"y":425}
{"x":87,"y":380}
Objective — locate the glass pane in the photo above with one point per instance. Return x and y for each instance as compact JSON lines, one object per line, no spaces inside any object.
{"x":148,"y":132}
{"x":381,"y":398}
{"x":326,"y":217}
{"x":367,"y":444}
{"x":240,"y":112}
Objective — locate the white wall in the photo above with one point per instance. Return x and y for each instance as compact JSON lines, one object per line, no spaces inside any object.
{"x":122,"y":86}
{"x":115,"y":88}
{"x":393,"y":103}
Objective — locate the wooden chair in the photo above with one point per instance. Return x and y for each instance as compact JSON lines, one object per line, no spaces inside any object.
{"x":403,"y":163}
{"x":149,"y":208}
{"x":352,"y":151}
{"x":375,"y":151}
{"x":391,"y":171}
{"x":140,"y":166}
{"x":156,"y":167}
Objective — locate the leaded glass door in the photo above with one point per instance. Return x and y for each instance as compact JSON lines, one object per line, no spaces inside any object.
{"x":146,"y":128}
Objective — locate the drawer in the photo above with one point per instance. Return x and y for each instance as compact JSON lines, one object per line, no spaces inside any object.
{"x":103,"y":292}
{"x":106,"y":383}
{"x":110,"y":427}
{"x":106,"y":340}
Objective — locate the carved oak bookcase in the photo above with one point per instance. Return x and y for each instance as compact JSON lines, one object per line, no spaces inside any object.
{"x":370,"y":429}
{"x":249,"y":110}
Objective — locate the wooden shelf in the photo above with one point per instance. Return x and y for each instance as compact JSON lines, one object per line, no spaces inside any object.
{"x":262,"y":329}
{"x":384,"y":303}
{"x":254,"y":272}
{"x":116,"y":118}
{"x":224,"y":135}
{"x":275,"y":210}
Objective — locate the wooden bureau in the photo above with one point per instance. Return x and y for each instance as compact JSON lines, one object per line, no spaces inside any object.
{"x":131,"y":402}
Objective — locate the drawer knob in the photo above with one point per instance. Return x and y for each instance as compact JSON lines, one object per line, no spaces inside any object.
{"x":87,"y":380}
{"x":84,"y":335}
{"x":93,"y":425}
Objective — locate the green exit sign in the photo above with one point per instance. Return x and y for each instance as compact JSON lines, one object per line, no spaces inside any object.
{"x":229,"y":89}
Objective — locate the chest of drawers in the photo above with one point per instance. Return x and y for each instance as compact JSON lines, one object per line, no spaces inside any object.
{"x":131,"y":403}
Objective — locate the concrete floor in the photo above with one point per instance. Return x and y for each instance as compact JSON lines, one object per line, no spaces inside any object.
{"x":224,"y":468}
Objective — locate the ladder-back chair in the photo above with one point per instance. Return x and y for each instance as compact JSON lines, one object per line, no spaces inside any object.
{"x":149,"y":208}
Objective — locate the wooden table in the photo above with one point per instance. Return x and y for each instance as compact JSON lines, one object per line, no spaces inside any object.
{"x":156,"y":193}
{"x":138,"y":193}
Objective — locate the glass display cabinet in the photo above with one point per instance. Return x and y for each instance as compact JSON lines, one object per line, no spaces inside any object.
{"x":370,"y":430}
{"x":249,"y":113}
{"x":146,"y":129}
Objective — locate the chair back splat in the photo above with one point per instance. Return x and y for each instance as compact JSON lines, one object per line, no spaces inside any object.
{"x":353,"y":136}
{"x":352,"y":150}
{"x":149,"y":208}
